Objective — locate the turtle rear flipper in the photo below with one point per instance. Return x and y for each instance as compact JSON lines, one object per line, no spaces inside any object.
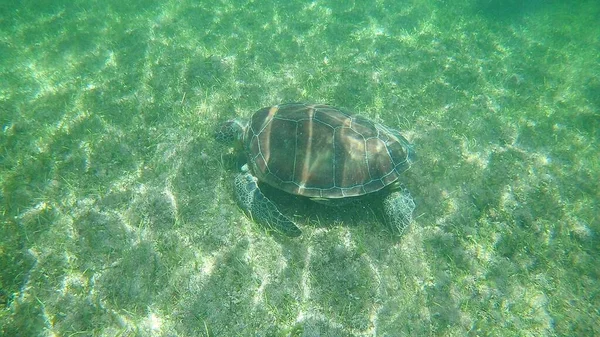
{"x":259,"y":208}
{"x":398,"y":207}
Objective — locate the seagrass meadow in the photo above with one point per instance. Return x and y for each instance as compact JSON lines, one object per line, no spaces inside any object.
{"x":117,"y":215}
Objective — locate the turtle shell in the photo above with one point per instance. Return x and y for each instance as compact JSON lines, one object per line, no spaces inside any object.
{"x":319,"y":151}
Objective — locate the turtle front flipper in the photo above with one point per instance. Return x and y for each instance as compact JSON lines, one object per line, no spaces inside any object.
{"x":259,"y":208}
{"x":398,"y":207}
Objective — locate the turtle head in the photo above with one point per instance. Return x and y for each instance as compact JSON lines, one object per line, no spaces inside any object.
{"x":230,"y":132}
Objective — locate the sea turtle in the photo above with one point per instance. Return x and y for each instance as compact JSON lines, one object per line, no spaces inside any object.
{"x":320,"y":152}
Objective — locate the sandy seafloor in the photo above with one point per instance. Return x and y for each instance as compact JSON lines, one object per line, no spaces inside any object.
{"x":116,"y":207}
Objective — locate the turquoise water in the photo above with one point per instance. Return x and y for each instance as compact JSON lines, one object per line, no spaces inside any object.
{"x":117,"y":212}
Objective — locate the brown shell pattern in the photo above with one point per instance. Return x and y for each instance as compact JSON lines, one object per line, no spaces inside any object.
{"x":320,"y":151}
